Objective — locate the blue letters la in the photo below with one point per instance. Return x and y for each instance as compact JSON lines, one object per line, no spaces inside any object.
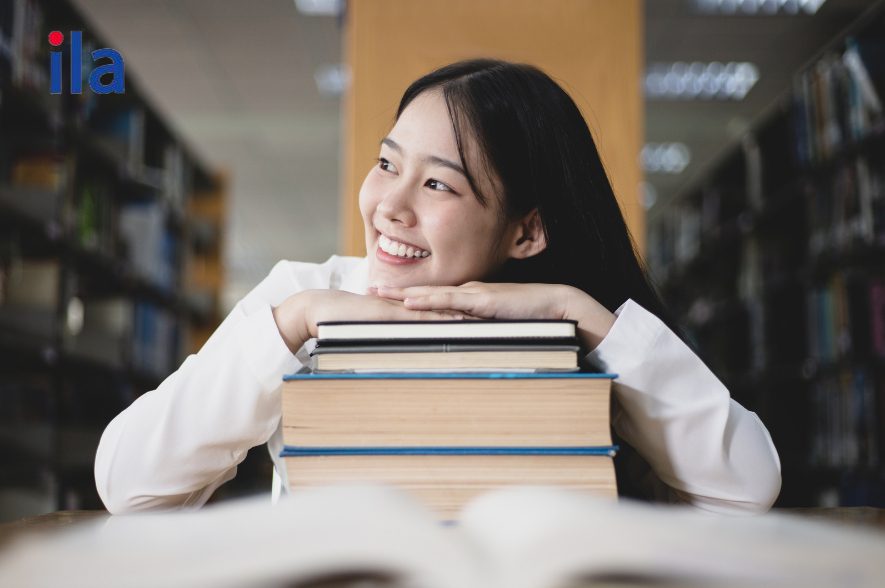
{"x":114,"y":68}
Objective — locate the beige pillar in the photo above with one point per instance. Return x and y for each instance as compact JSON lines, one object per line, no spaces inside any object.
{"x":593,"y":48}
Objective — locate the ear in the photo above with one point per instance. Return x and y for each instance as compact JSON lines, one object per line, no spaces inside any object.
{"x":528,"y":238}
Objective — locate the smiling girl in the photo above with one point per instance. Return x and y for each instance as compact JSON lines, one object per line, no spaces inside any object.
{"x":488,"y":200}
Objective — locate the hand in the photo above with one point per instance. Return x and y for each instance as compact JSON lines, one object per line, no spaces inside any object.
{"x":512,"y":301}
{"x":298,"y":315}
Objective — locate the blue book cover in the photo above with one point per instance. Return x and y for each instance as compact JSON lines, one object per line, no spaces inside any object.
{"x":449,"y":375}
{"x":292,"y":451}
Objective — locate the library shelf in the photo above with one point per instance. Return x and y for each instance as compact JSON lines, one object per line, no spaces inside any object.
{"x":775,"y":262}
{"x":103,"y":219}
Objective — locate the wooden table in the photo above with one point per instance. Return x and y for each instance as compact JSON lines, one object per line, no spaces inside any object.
{"x":46,"y":523}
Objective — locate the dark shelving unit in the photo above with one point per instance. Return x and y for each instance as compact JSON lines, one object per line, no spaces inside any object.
{"x":775,"y":261}
{"x":97,"y":231}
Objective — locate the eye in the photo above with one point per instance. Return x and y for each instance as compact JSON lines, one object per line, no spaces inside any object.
{"x":441,"y":187}
{"x":386,"y":165}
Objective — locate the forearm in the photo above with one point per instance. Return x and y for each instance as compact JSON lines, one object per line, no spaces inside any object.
{"x":594,"y":320}
{"x":675,"y":412}
{"x":174,"y":445}
{"x":293,"y":321}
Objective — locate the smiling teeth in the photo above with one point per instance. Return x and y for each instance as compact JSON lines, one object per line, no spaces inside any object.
{"x":399,"y":249}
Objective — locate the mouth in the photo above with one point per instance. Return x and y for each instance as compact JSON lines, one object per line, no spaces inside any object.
{"x":400,"y":249}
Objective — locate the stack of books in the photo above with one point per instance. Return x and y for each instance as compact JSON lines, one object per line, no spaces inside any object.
{"x":448,"y":410}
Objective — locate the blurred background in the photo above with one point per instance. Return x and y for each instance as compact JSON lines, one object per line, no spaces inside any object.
{"x":744,"y":139}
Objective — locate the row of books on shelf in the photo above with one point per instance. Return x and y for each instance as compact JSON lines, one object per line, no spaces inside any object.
{"x":839,"y":100}
{"x":846,"y":317}
{"x":843,"y":212}
{"x":23,"y":53}
{"x":846,"y":410}
{"x":447,"y":410}
{"x":848,"y":209}
{"x":117,"y":127}
{"x":126,"y":334}
{"x":116,"y":331}
{"x":136,"y":233}
{"x":116,"y":144}
{"x":823,"y":324}
{"x":834,"y":105}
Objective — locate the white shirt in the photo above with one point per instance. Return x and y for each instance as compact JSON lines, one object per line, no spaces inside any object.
{"x":174,"y":446}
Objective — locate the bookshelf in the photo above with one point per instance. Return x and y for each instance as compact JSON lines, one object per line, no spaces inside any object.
{"x":104,"y":215}
{"x":775,"y":261}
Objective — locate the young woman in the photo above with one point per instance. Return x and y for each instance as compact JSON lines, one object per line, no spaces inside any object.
{"x":488,"y":200}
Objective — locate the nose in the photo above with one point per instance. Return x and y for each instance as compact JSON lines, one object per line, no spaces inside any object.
{"x":396,"y":205}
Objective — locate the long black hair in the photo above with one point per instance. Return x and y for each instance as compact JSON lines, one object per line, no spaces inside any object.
{"x":532,"y":137}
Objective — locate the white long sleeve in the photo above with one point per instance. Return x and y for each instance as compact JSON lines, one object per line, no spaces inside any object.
{"x":175,"y":445}
{"x":706,"y":448}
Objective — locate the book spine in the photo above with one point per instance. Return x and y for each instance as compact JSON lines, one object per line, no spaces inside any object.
{"x":291,"y":451}
{"x":302,"y":375}
{"x":861,"y":76}
{"x":877,"y":317}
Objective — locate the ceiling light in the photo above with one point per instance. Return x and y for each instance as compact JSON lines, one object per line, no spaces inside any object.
{"x":320,"y":7}
{"x":700,"y":81}
{"x":665,"y":158}
{"x":332,"y":80}
{"x":758,"y":6}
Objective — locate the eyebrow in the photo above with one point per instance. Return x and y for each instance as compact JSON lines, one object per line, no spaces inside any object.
{"x":433,"y":159}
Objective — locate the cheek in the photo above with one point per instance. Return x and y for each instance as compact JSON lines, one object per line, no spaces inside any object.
{"x":460,"y":233}
{"x":368,"y":200}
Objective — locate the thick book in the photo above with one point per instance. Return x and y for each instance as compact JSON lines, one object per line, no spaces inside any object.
{"x":457,"y":330}
{"x":444,"y":357}
{"x":447,"y":409}
{"x":446,"y":437}
{"x":446,"y":479}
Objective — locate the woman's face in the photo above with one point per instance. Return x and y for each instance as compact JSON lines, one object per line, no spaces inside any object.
{"x":424,"y":225}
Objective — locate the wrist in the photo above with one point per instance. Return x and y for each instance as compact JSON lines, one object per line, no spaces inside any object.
{"x":292,"y":321}
{"x":594,"y":320}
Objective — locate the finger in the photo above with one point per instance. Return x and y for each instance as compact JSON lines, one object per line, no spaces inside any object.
{"x":389,"y":292}
{"x":434,"y":315}
{"x":398,"y":293}
{"x":454,"y":316}
{"x":449,"y":301}
{"x":398,"y":312}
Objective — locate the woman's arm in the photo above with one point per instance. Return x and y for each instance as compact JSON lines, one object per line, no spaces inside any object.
{"x":175,"y":445}
{"x":708,"y":449}
{"x":711,"y":451}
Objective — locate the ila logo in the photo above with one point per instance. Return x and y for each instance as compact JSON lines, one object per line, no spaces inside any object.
{"x":114,"y":69}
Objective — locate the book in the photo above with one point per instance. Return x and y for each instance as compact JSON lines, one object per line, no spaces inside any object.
{"x":446,"y":481}
{"x":446,"y":437}
{"x":444,"y":357}
{"x":447,"y":409}
{"x":526,"y":537}
{"x":352,"y":331}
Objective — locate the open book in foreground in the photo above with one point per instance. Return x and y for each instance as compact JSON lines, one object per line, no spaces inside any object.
{"x":519,"y":537}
